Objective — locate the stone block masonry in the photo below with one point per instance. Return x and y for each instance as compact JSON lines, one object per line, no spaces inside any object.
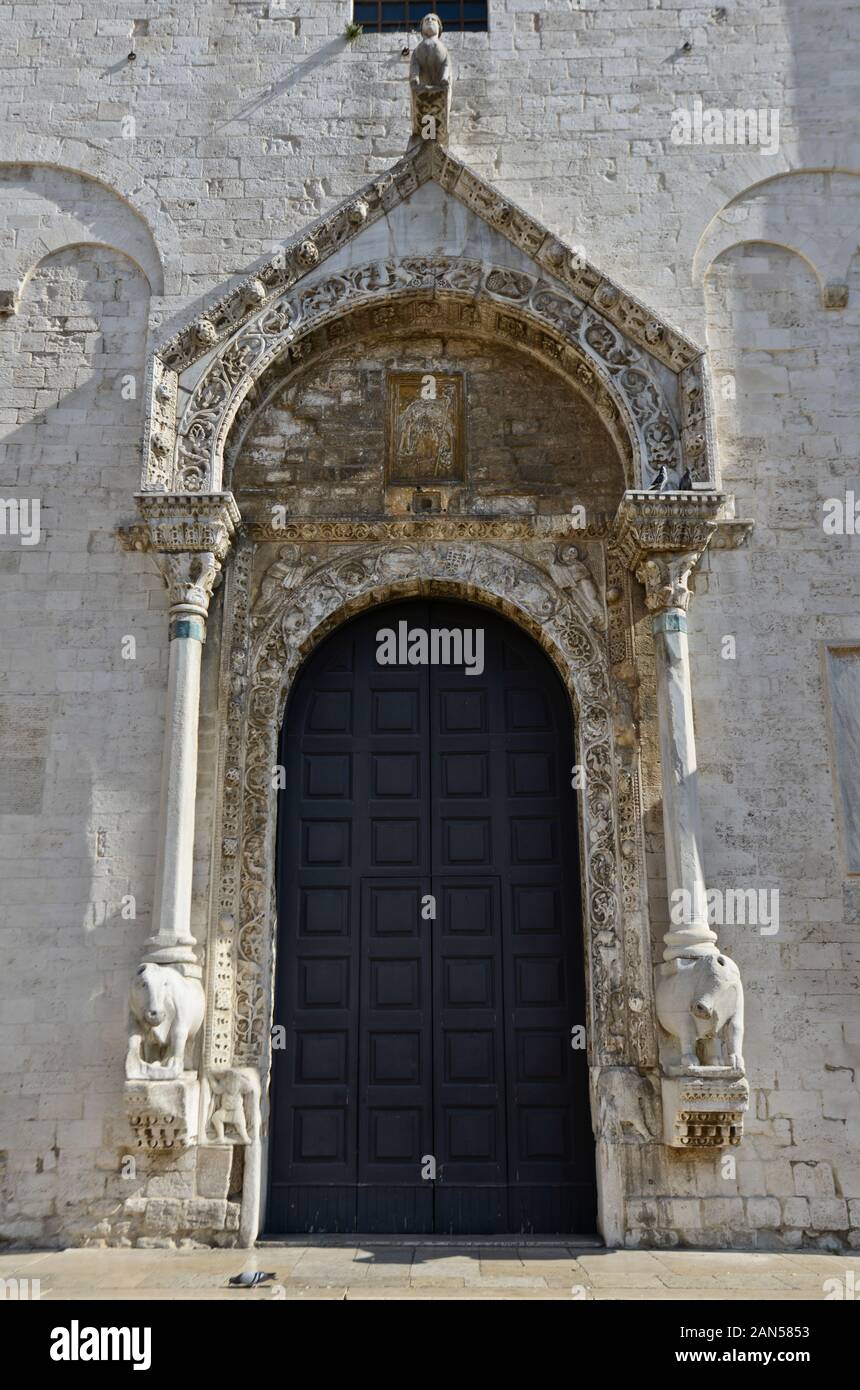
{"x":133,"y":195}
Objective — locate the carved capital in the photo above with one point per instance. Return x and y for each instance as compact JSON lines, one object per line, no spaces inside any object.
{"x":661,"y":536}
{"x":666,"y":580}
{"x":191,"y":577}
{"x":189,"y":537}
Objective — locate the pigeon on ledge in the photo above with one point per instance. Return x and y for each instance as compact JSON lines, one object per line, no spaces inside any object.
{"x":249,"y":1278}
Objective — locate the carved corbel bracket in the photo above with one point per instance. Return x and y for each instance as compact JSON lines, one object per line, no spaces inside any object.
{"x":661,"y":536}
{"x":162,"y":1115}
{"x":189,"y":536}
{"x":704,"y":1109}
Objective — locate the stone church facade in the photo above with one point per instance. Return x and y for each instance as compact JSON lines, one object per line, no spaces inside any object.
{"x":298,"y":325}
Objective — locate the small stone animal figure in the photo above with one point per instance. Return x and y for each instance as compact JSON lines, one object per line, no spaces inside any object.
{"x":698,"y":1002}
{"x":166,"y":1013}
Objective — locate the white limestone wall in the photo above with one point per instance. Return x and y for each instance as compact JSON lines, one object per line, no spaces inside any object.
{"x":135,"y":192}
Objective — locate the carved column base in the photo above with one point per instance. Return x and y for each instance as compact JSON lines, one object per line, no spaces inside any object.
{"x":163,"y":1115}
{"x":703,"y":1108}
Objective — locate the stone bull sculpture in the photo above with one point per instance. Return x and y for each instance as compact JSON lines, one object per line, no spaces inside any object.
{"x":701,"y":1006}
{"x":166,"y":1013}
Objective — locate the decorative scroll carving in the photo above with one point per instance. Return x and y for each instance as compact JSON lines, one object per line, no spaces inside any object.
{"x":438,"y":528}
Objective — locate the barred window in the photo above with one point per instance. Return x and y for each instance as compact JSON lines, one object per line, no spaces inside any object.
{"x":379,"y":16}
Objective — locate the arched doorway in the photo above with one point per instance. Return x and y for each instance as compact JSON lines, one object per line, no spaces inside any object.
{"x":429,"y":951}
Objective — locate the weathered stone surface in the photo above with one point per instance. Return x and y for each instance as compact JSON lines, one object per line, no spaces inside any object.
{"x":134,"y":207}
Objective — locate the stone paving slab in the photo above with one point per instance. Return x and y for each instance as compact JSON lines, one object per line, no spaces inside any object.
{"x":418,"y":1270}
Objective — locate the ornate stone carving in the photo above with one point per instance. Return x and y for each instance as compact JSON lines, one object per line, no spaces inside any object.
{"x":704,"y":1110}
{"x":430,"y":84}
{"x":666,"y":580}
{"x":232,"y":1105}
{"x":166,"y":1011}
{"x":162,"y":1115}
{"x":665,"y":522}
{"x":437,"y":528}
{"x":570,"y":556}
{"x":425,"y":435}
{"x":615,"y":375}
{"x":700,"y":1008}
{"x":195,"y":462}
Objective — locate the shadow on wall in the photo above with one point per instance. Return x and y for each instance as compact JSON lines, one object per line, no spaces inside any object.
{"x":44,"y":209}
{"x":80,"y":717}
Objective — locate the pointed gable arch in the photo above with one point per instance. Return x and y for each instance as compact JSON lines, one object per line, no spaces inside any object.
{"x":430,"y":230}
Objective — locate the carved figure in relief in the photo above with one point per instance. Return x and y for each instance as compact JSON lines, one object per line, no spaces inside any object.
{"x":571,"y":557}
{"x":166,"y":1014}
{"x":232,"y":1105}
{"x":700,"y":1004}
{"x":426,"y":435}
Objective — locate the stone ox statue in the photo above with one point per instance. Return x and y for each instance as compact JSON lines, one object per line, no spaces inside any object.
{"x":701,"y":1006}
{"x":166,"y":1013}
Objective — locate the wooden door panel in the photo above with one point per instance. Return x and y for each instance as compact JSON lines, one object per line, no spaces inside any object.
{"x":410,"y":1035}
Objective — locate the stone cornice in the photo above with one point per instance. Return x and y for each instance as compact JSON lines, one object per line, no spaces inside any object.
{"x":184,"y":523}
{"x":661,"y":536}
{"x":649,"y":522}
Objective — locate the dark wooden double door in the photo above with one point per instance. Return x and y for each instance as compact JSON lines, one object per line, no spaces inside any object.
{"x":428,"y":1081}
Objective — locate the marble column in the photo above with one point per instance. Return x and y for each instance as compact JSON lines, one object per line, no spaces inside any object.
{"x":665,"y":578}
{"x":189,"y":537}
{"x":662,"y":537}
{"x":191,"y":578}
